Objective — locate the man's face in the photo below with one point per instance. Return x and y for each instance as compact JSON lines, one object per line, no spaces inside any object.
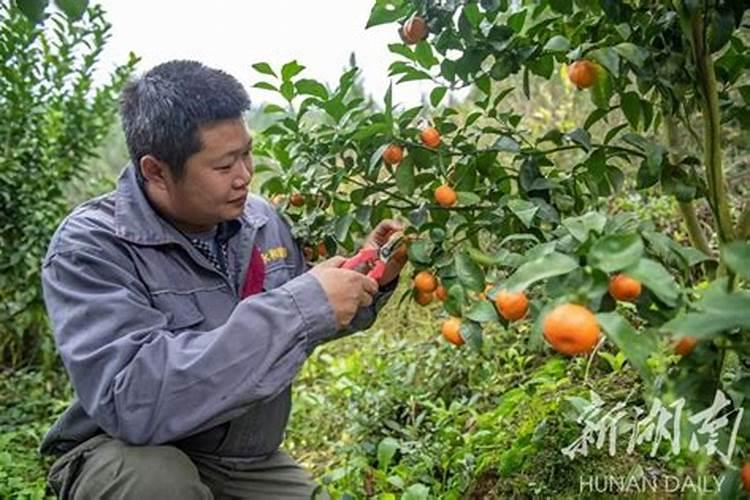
{"x":215,"y":181}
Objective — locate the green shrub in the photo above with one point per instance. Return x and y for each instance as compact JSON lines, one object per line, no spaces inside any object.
{"x":52,"y":119}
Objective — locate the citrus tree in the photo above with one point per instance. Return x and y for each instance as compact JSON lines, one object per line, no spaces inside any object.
{"x":514,"y":227}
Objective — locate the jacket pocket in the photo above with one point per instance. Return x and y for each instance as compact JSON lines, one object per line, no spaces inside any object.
{"x":180,"y":309}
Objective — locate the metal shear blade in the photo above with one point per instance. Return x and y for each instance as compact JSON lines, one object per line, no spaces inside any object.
{"x":386,"y":251}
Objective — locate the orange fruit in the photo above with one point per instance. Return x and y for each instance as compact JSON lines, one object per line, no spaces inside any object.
{"x":445,"y":196}
{"x":425,"y":282}
{"x":685,"y":345}
{"x":441,"y":293}
{"x":277,"y":199}
{"x":571,"y":329}
{"x":430,"y":137}
{"x":414,"y":30}
{"x":745,"y":476}
{"x":322,"y":250}
{"x":512,"y":306}
{"x":422,"y":298}
{"x":297,"y":200}
{"x":582,"y":73}
{"x":451,"y":331}
{"x":393,"y":154}
{"x":623,"y":287}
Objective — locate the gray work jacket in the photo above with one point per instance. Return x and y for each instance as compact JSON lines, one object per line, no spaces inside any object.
{"x":157,"y":343}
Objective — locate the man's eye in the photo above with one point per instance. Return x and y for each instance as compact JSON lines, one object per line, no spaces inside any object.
{"x":224,"y":167}
{"x":246,"y":153}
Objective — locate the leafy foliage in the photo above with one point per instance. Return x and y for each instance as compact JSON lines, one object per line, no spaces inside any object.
{"x":530,"y":216}
{"x":52,"y":119}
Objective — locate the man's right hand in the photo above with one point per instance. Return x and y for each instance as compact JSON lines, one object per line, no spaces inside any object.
{"x":346,"y":290}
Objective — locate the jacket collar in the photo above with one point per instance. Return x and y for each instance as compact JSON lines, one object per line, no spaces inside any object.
{"x":137,"y":221}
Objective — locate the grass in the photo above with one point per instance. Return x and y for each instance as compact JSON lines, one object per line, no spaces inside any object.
{"x":29,"y":403}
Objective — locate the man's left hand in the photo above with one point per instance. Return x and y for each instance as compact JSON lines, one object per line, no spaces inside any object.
{"x":379,"y":237}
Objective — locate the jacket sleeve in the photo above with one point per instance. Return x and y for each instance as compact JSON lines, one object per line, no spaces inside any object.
{"x":147,"y":385}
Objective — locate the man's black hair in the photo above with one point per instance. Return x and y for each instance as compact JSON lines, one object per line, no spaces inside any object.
{"x":162,"y":110}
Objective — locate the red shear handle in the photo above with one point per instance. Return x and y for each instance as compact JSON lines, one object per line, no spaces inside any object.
{"x":364,"y":256}
{"x":377,"y":272}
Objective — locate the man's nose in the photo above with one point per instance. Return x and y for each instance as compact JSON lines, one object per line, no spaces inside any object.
{"x":245,"y":169}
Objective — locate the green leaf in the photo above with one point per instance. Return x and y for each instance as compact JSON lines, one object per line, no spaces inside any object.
{"x":731,"y":485}
{"x":602,"y":90}
{"x":387,"y":11}
{"x":272,"y":108}
{"x":736,"y":255}
{"x":416,"y":491}
{"x":370,"y":131}
{"x":655,"y":154}
{"x":631,"y":108}
{"x":507,"y":143}
{"x":33,"y":9}
{"x":718,"y":311}
{"x":524,"y":210}
{"x":636,"y":346}
{"x":386,"y":450}
{"x":580,"y":227}
{"x":402,"y":50}
{"x":414,"y":75}
{"x":290,"y":69}
{"x":265,"y":86}
{"x":472,"y":334}
{"x":608,"y":58}
{"x":405,"y":176}
{"x":616,"y":252}
{"x":517,"y":20}
{"x":388,"y":101}
{"x":482,"y":312}
{"x":484,"y":259}
{"x":557,"y":43}
{"x":437,"y":95}
{"x":467,"y":198}
{"x":632,"y":53}
{"x":73,"y":9}
{"x":287,"y":90}
{"x":580,"y":137}
{"x":657,"y":279}
{"x":562,"y":6}
{"x":448,"y":70}
{"x":547,"y":266}
{"x":542,"y":66}
{"x":311,"y":87}
{"x":484,"y":84}
{"x":721,"y":28}
{"x":425,"y":58}
{"x":455,"y":301}
{"x":420,"y":251}
{"x":468,"y":272}
{"x":264,"y":68}
{"x":342,"y":226}
{"x":471,"y":11}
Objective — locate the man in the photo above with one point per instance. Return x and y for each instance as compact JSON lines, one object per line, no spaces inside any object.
{"x":182,"y":309}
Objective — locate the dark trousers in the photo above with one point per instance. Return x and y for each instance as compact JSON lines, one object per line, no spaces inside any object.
{"x":104,"y":467}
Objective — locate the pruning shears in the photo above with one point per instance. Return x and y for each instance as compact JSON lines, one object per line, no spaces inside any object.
{"x":373,"y":260}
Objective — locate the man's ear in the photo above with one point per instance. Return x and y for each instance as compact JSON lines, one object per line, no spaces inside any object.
{"x":155,"y":172}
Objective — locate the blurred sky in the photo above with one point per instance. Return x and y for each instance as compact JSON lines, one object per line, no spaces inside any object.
{"x":234,"y":34}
